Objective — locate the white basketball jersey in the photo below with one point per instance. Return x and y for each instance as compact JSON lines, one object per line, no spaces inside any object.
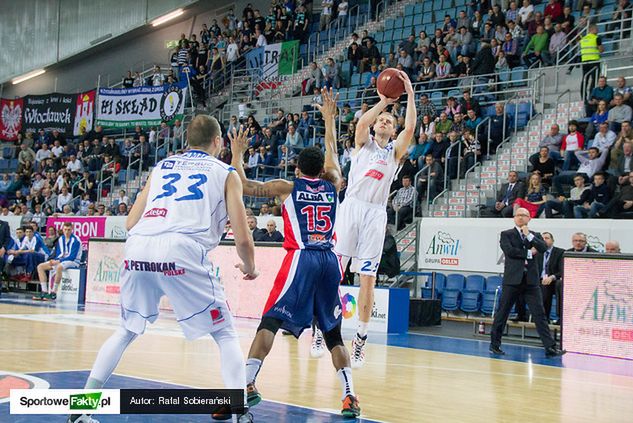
{"x":187,"y":197}
{"x":371,"y":173}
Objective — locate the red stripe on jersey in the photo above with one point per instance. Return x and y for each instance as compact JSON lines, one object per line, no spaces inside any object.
{"x":290,"y":242}
{"x":280,"y":281}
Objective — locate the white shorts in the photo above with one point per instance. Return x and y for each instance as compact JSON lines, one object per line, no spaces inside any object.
{"x":176,"y":266}
{"x":69,"y":265}
{"x":360,"y":234}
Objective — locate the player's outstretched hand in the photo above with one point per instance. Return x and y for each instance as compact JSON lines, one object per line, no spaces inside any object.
{"x":408,"y":87}
{"x":239,"y":141}
{"x":248,"y":275}
{"x":328,"y":109}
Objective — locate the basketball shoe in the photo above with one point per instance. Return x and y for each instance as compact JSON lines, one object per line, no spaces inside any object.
{"x":317,"y":350}
{"x":253,"y":396}
{"x":358,"y":351}
{"x":350,"y":409}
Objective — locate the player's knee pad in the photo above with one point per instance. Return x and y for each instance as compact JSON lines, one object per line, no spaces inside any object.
{"x":270,"y":324}
{"x":333,"y":338}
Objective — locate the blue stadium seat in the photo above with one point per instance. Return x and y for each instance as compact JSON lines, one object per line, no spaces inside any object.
{"x":4,"y":165}
{"x":408,"y":21}
{"x":492,"y":284}
{"x":440,"y":281}
{"x":355,"y":80}
{"x":436,"y":98}
{"x":418,"y":9}
{"x":427,"y":6}
{"x":518,"y":76}
{"x":121,"y":176}
{"x":388,"y":36}
{"x":7,"y":152}
{"x":454,"y":93}
{"x":447,"y":4}
{"x":427,"y":18}
{"x":13,"y":165}
{"x":472,"y":295}
{"x":460,"y":3}
{"x":439,"y":15}
{"x":389,"y":24}
{"x":409,"y":10}
{"x":399,"y":23}
{"x":419,"y":28}
{"x":451,"y":295}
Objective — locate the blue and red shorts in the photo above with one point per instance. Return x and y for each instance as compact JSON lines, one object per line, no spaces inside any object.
{"x":306,"y":286}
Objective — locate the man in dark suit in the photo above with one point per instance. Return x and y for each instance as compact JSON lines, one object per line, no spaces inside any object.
{"x":521,"y":276}
{"x":551,"y":265}
{"x":508,"y":194}
{"x":5,"y":243}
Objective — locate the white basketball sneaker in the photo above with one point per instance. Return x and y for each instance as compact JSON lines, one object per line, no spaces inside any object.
{"x":358,"y":351}
{"x":317,"y":349}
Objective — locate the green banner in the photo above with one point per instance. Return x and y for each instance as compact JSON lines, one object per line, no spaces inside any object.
{"x":288,"y":57}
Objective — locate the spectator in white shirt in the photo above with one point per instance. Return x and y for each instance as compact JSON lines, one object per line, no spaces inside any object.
{"x":261,"y":40}
{"x":74,"y":165}
{"x":123,"y":199}
{"x":363,"y":108}
{"x":326,"y":14}
{"x":232,"y":51}
{"x":63,"y":198}
{"x":158,"y":78}
{"x":526,"y":13}
{"x":57,"y":149}
{"x":605,"y":138}
{"x":42,"y":154}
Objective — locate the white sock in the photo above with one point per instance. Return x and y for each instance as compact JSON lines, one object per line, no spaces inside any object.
{"x":44,"y":287}
{"x":362,"y":329}
{"x":110,"y":354}
{"x":252,"y":369}
{"x":231,"y":359}
{"x":345,"y":377}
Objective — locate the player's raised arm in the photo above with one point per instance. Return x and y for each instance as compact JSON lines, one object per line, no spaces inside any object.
{"x":328,"y":111}
{"x":139,"y":205}
{"x":237,"y":217}
{"x":276,"y":187}
{"x":404,"y":139}
{"x":367,"y":120}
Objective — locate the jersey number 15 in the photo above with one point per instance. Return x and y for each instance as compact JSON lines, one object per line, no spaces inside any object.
{"x":318,"y":218}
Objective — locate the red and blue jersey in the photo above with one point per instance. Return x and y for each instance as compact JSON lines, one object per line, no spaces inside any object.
{"x":309,"y":213}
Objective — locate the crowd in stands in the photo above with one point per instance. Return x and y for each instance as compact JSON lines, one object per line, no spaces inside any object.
{"x":597,"y":162}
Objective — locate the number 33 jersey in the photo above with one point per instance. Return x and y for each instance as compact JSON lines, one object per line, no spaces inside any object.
{"x":187,"y":197}
{"x":309,"y":214}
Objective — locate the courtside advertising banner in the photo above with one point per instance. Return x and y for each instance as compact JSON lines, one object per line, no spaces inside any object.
{"x":49,"y":112}
{"x":10,"y":118}
{"x":472,"y":245}
{"x":91,"y":227}
{"x":125,"y":401}
{"x":144,"y":106}
{"x":69,"y":287}
{"x":380,"y":312}
{"x":598,"y":306}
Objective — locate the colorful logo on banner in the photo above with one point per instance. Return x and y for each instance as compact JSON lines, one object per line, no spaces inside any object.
{"x":349,"y":306}
{"x":84,"y":227}
{"x":274,"y":60}
{"x":84,"y":113}
{"x":10,"y":119}
{"x":171,"y":103}
{"x":445,"y":248}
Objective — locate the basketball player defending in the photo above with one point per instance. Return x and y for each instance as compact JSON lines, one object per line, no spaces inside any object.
{"x":362,"y":217}
{"x":308,"y":280}
{"x":176,"y":220}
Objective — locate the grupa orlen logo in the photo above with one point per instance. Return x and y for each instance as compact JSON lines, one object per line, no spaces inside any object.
{"x":349,"y":306}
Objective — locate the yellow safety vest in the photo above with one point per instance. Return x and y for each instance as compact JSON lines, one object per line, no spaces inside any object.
{"x":589,"y":48}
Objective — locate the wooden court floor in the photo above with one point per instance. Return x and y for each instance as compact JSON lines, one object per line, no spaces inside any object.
{"x":396,"y":385}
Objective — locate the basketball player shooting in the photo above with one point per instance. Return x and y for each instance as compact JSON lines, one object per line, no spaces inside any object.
{"x":362,"y":217}
{"x":308,"y":280}
{"x":176,"y":220}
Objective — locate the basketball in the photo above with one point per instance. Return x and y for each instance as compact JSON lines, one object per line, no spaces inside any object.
{"x":389,"y":84}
